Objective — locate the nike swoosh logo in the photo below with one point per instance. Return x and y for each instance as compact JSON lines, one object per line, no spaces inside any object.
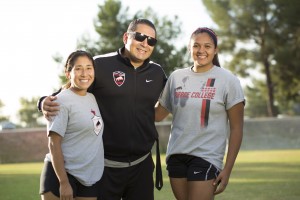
{"x":147,"y":81}
{"x":196,"y":172}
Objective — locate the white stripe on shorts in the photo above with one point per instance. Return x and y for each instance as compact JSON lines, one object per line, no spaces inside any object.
{"x":208,"y":171}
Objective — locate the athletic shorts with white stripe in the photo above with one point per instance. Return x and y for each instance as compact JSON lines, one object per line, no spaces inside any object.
{"x":191,"y":167}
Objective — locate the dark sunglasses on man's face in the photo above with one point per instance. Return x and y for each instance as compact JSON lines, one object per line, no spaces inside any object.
{"x":141,"y":37}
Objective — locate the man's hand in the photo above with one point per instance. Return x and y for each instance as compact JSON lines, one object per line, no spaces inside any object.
{"x":49,"y":107}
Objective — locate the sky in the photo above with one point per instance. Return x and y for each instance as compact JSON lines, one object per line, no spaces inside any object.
{"x":33,"y":31}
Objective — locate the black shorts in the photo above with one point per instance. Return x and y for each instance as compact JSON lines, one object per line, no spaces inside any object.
{"x":191,"y":167}
{"x":49,"y":182}
{"x":134,"y":182}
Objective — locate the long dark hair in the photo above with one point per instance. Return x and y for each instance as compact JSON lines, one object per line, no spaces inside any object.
{"x":71,"y":62}
{"x":213,"y":36}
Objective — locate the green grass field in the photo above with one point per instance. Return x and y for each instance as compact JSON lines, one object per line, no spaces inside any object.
{"x":257,"y":175}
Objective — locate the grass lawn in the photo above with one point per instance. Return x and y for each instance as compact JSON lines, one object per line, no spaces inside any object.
{"x":257,"y":175}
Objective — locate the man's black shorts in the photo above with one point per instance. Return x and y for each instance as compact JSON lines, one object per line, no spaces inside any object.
{"x":134,"y":182}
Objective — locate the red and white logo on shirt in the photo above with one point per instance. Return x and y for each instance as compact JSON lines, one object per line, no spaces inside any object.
{"x":119,"y":77}
{"x":97,"y":122}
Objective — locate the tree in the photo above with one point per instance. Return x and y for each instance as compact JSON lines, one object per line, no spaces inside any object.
{"x":2,"y":117}
{"x":110,"y":25}
{"x":256,"y":103}
{"x":113,"y":20}
{"x":28,"y":114}
{"x":262,"y":35}
{"x":58,"y":58}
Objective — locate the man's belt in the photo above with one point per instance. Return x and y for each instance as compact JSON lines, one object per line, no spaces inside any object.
{"x":116,"y":164}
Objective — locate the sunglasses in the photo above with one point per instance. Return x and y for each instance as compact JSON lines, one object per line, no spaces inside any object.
{"x":141,"y":37}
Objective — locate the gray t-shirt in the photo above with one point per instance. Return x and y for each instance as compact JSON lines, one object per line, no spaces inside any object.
{"x":198,"y":103}
{"x":80,"y":124}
